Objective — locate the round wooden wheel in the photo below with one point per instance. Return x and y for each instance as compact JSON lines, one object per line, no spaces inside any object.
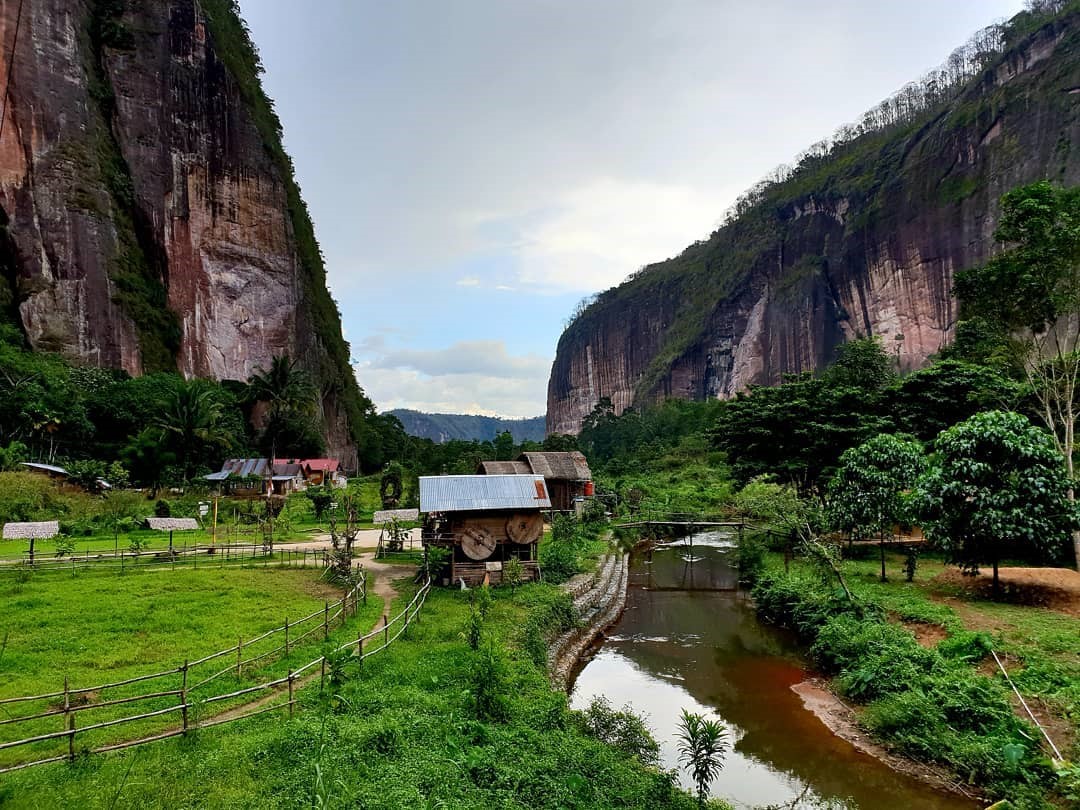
{"x":525,"y":527}
{"x":477,"y":543}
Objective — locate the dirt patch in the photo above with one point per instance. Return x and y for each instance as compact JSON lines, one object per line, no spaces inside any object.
{"x":1052,"y":588}
{"x":928,"y":635}
{"x":843,"y":721}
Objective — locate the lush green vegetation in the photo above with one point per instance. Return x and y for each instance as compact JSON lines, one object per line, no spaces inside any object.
{"x":429,"y":723}
{"x":935,"y":703}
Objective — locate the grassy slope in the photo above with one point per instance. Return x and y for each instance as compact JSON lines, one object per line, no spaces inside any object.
{"x":403,"y":732}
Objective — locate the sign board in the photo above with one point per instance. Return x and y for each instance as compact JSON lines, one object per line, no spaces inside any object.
{"x":386,"y":515}
{"x":204,"y":509}
{"x":493,"y":566}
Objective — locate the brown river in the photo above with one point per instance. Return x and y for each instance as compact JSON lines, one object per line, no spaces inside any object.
{"x":690,"y":639}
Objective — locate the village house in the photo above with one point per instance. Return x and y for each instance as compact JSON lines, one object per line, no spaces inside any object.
{"x":484,"y":521}
{"x":566,"y":474}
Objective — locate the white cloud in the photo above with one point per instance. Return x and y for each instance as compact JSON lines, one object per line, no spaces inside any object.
{"x":468,"y":281}
{"x":599,"y":232}
{"x":479,"y":377}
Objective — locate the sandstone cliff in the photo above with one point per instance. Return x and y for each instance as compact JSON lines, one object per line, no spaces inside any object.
{"x":861,"y":241}
{"x":149,"y":216}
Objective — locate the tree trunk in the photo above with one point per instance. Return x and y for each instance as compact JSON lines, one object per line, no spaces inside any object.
{"x":996,"y":590}
{"x":1076,"y":532}
{"x":882,"y":544}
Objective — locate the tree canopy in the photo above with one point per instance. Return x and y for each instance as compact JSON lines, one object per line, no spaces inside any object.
{"x":997,"y":489}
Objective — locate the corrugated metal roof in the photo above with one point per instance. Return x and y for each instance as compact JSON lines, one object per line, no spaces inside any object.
{"x":463,"y":493}
{"x":218,"y":476}
{"x":570,"y":466}
{"x":25,"y":531}
{"x":33,"y":465}
{"x":245,"y":467}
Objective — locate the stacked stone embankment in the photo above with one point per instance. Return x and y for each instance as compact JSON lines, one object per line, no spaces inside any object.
{"x":599,"y":598}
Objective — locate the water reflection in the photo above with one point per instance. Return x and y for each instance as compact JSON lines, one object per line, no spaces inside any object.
{"x":689,"y":639}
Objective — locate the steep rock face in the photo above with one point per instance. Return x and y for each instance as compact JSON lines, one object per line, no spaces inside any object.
{"x":868,"y":247}
{"x":149,"y":220}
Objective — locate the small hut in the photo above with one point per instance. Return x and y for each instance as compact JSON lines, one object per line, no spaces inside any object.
{"x":485,"y":520}
{"x":567,"y":475}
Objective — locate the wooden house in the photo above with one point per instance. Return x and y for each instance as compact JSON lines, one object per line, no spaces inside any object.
{"x":257,"y":477}
{"x":566,"y":474}
{"x":484,"y":521}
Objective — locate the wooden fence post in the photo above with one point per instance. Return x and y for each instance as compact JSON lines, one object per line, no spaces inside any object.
{"x":183,"y":695}
{"x":71,"y":736}
{"x":290,"y":695}
{"x":364,"y":575}
{"x":286,"y":636}
{"x":385,"y":631}
{"x":326,"y":620}
{"x":322,"y":675}
{"x":360,"y":646}
{"x":239,"y":648}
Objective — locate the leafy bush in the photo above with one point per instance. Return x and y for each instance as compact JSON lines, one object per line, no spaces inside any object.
{"x":561,"y":553}
{"x":929,"y":703}
{"x":622,"y":729}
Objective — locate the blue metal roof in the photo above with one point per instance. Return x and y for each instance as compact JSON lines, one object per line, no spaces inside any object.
{"x":464,"y":493}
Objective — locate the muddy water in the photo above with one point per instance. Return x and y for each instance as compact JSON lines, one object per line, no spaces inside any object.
{"x":689,"y":639}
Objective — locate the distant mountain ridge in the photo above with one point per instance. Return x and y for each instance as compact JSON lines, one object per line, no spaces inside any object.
{"x":443,"y":427}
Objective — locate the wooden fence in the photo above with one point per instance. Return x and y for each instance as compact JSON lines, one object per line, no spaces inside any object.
{"x":219,"y":556}
{"x":186,"y":697}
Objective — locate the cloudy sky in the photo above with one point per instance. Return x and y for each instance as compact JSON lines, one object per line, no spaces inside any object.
{"x":475,"y":167}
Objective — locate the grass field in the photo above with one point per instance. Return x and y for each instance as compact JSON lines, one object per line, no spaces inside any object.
{"x":430,"y":723}
{"x":103,"y":627}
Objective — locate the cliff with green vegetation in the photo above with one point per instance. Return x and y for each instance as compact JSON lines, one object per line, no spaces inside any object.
{"x":149,"y":218}
{"x":861,"y":237}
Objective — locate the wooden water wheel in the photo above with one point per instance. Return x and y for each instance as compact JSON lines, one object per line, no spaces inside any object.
{"x":477,"y":543}
{"x":525,"y":527}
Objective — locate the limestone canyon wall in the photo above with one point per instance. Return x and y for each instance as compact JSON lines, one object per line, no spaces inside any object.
{"x":146,"y":216}
{"x":869,"y":248}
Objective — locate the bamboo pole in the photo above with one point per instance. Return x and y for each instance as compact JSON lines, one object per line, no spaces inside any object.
{"x":239,"y":649}
{"x":286,"y":636}
{"x":183,"y":695}
{"x":326,"y":620}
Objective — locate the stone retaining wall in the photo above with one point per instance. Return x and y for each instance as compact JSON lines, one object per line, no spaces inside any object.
{"x":599,"y":597}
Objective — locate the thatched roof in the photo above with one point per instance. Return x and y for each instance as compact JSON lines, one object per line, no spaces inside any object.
{"x":31,"y":531}
{"x":504,"y":468}
{"x":570,"y":466}
{"x":171,"y":524}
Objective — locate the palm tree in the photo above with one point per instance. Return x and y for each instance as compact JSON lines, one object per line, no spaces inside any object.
{"x":702,"y":747}
{"x":191,"y":417}
{"x":287,"y":392}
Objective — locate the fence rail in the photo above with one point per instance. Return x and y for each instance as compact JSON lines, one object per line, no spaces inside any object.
{"x":184,"y":697}
{"x":219,"y":555}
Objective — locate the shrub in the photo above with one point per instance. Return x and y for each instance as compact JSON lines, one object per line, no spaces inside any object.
{"x":162,"y":509}
{"x":622,"y":729}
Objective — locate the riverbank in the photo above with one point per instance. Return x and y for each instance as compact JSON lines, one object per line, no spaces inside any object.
{"x":913,"y":660}
{"x":598,"y":598}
